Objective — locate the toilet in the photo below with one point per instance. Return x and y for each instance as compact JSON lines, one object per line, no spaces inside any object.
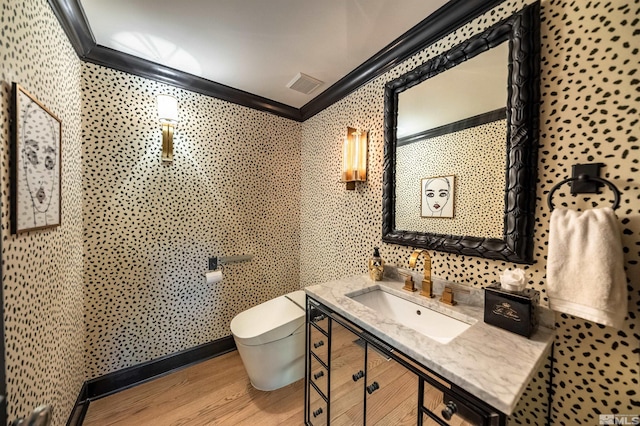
{"x":270,"y":339}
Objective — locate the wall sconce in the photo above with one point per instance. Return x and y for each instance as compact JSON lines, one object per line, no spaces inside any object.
{"x":354,"y":157}
{"x":168,"y":115}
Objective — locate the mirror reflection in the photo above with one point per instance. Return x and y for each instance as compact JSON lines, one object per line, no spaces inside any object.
{"x":474,"y":87}
{"x":467,"y":154}
{"x":452,"y":129}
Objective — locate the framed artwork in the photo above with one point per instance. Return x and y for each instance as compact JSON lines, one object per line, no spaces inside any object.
{"x":37,"y":157}
{"x":437,"y":196}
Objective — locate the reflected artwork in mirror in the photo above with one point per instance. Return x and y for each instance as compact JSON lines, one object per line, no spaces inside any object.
{"x":448,"y":124}
{"x":435,"y":127}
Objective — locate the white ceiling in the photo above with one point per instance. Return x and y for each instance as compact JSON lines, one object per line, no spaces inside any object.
{"x":256,"y":45}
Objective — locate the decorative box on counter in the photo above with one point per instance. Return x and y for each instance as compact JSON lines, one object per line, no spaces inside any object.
{"x":512,"y":310}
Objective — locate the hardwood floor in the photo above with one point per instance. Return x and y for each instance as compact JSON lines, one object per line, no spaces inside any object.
{"x":218,"y":392}
{"x":213,"y":392}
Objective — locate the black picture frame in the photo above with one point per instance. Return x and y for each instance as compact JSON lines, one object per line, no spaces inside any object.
{"x":522,"y":30}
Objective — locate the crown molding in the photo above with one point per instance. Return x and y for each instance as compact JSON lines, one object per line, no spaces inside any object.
{"x":120,"y":61}
{"x":74,"y":23}
{"x":446,"y":19}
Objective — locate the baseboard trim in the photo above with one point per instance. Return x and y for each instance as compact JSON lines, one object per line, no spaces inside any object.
{"x":126,"y":378}
{"x":80,"y":408}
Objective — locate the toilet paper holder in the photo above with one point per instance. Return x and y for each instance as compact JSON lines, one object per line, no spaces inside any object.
{"x":216,"y":262}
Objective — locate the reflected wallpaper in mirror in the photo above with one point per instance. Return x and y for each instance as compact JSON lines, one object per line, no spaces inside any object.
{"x":435,"y":137}
{"x":476,"y":157}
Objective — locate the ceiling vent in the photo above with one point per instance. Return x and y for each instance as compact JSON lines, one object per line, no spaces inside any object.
{"x":304,"y":83}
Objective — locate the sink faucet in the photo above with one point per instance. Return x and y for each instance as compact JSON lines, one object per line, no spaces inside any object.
{"x":427,"y":285}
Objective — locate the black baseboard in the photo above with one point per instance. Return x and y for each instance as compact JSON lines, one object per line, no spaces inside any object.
{"x":132,"y":376}
{"x":80,"y":409}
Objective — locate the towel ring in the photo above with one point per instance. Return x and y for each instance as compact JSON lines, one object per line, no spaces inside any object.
{"x":616,"y":192}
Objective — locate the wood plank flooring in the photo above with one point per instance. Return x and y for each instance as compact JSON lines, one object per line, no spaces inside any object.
{"x":218,"y":392}
{"x":213,"y":392}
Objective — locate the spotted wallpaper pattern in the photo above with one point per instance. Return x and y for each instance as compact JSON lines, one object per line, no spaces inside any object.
{"x":42,"y":270}
{"x":233,"y":188}
{"x":477,"y":158}
{"x":589,"y":113}
{"x":237,"y":186}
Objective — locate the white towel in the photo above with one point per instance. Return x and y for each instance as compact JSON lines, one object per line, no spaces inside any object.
{"x":585,"y":266}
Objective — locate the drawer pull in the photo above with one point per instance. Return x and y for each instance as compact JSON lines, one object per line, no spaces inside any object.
{"x":318,"y":375}
{"x":317,"y":412}
{"x":450,"y":410}
{"x":318,"y":318}
{"x":359,"y":375}
{"x":318,"y":344}
{"x":373,"y":387}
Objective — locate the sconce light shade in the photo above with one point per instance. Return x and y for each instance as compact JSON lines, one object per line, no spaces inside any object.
{"x":354,"y":157}
{"x":167,"y":109}
{"x":168,"y":115}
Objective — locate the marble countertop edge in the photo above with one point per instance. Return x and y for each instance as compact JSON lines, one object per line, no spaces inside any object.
{"x":467,"y":361}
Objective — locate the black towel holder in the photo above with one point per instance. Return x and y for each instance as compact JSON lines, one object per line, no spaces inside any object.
{"x":584,"y":178}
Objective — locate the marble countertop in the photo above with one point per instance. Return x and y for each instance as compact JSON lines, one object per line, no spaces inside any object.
{"x":493,"y":364}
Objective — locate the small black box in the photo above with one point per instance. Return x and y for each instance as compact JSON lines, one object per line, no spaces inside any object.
{"x":512,"y":310}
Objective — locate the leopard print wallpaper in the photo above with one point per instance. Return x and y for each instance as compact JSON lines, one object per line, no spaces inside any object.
{"x":589,"y":113}
{"x":42,"y":270}
{"x":233,"y":188}
{"x":245,"y":181}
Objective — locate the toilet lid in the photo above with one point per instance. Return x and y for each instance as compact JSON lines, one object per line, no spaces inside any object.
{"x":269,"y":321}
{"x":298,"y":297}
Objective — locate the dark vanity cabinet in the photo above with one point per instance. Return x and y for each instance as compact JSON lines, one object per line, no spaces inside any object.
{"x":353,"y":378}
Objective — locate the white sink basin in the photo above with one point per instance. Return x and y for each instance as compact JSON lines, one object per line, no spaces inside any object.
{"x":437,"y":326}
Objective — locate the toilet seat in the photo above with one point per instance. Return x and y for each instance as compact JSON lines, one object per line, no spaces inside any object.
{"x":272,"y":320}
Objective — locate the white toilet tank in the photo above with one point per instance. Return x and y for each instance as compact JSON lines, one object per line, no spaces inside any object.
{"x":270,"y":339}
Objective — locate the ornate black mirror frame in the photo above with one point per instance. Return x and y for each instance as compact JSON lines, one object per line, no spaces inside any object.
{"x":522,"y":30}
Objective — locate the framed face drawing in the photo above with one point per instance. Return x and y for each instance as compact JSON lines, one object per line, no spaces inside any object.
{"x":437,"y":196}
{"x":35,"y":179}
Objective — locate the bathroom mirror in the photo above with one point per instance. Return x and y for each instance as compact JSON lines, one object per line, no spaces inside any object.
{"x":479,"y":156}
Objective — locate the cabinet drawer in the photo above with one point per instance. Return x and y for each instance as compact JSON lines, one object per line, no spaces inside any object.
{"x":318,"y":318}
{"x":317,"y":409}
{"x":451,"y":409}
{"x":319,"y":376}
{"x":319,"y":344}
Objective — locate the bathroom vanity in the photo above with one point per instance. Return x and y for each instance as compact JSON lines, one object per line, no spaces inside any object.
{"x":363,"y":367}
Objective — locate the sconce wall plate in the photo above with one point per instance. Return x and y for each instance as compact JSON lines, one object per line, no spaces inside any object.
{"x":167,"y":143}
{"x":168,"y":115}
